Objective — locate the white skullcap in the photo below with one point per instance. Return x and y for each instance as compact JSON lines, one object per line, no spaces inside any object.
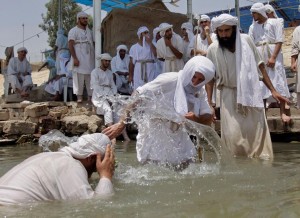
{"x":87,"y":145}
{"x":269,"y":9}
{"x":259,"y":8}
{"x":81,"y":14}
{"x":22,"y":49}
{"x":187,"y":26}
{"x":163,"y":27}
{"x":124,"y":47}
{"x":195,"y":64}
{"x":141,"y":30}
{"x":104,"y":56}
{"x":224,"y":19}
{"x":204,"y":17}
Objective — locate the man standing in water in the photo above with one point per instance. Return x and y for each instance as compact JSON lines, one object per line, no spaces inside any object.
{"x":61,"y":175}
{"x":244,"y":129}
{"x":174,"y":96}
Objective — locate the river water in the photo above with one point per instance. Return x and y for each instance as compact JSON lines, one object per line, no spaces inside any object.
{"x":244,"y":188}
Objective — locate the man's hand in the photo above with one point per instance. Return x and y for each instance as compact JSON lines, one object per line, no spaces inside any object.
{"x":168,"y":42}
{"x":294,"y":67}
{"x":279,"y":98}
{"x":191,"y":116}
{"x":114,"y":130}
{"x":271,"y":62}
{"x":76,"y":62}
{"x":106,"y":167}
{"x":207,"y":30}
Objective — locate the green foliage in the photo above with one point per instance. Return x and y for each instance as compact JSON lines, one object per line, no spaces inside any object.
{"x":69,"y":10}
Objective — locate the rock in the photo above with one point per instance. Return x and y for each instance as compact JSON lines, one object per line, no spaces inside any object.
{"x":4,"y":114}
{"x":1,"y":126}
{"x":77,"y":125}
{"x":15,"y":127}
{"x":32,"y":119}
{"x":36,"y":110}
{"x":22,"y":104}
{"x":16,"y":113}
{"x":24,"y":139}
{"x":48,"y":123}
{"x":57,"y":112}
{"x":55,"y":103}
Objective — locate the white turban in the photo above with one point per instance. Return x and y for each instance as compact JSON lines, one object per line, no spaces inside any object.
{"x":224,"y":19}
{"x":141,"y":30}
{"x":120,"y":47}
{"x":163,"y":27}
{"x":259,"y":8}
{"x":195,"y":64}
{"x":81,"y":14}
{"x":87,"y":145}
{"x":204,"y":17}
{"x":187,"y":26}
{"x":269,"y":9}
{"x":22,"y":49}
{"x":104,"y":56}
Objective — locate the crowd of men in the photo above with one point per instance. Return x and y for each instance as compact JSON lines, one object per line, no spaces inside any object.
{"x":211,"y":65}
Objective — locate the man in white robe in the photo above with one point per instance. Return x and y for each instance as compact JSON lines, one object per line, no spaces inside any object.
{"x":203,"y":39}
{"x":142,"y":54}
{"x":244,"y":129}
{"x":268,"y":37}
{"x":19,"y":73}
{"x":120,"y":68}
{"x":81,"y":45}
{"x":271,"y":13}
{"x":295,"y":63}
{"x":170,"y":49}
{"x":179,"y":95}
{"x":61,"y":46}
{"x":61,"y":175}
{"x":103,"y":85}
{"x":187,"y":37}
{"x":158,"y":63}
{"x":56,"y":85}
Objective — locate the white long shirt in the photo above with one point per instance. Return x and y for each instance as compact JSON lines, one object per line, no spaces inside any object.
{"x":15,"y":66}
{"x":49,"y":176}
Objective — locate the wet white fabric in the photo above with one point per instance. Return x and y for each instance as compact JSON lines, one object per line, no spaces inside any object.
{"x":49,"y":176}
{"x":248,"y":134}
{"x":87,"y":145}
{"x":16,"y":70}
{"x":196,"y":64}
{"x":103,"y":85}
{"x":265,"y":36}
{"x":170,"y":145}
{"x":259,"y":8}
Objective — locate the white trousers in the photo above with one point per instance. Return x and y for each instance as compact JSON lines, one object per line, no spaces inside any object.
{"x":106,"y":110}
{"x":25,"y":82}
{"x":79,"y":80}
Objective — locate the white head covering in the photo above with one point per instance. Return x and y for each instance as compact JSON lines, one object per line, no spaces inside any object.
{"x":104,"y":56}
{"x":204,"y":17}
{"x":155,"y":31}
{"x":269,"y":9}
{"x":122,"y":47}
{"x":141,"y":30}
{"x":259,"y":8}
{"x":87,"y":145}
{"x":195,"y":64}
{"x":22,"y":49}
{"x":163,"y":27}
{"x":81,"y":14}
{"x":248,"y":87}
{"x":189,"y":29}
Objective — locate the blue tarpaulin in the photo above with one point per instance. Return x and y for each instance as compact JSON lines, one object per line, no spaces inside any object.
{"x":108,"y":5}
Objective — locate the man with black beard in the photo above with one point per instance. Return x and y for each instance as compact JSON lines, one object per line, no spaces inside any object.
{"x":239,"y":68}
